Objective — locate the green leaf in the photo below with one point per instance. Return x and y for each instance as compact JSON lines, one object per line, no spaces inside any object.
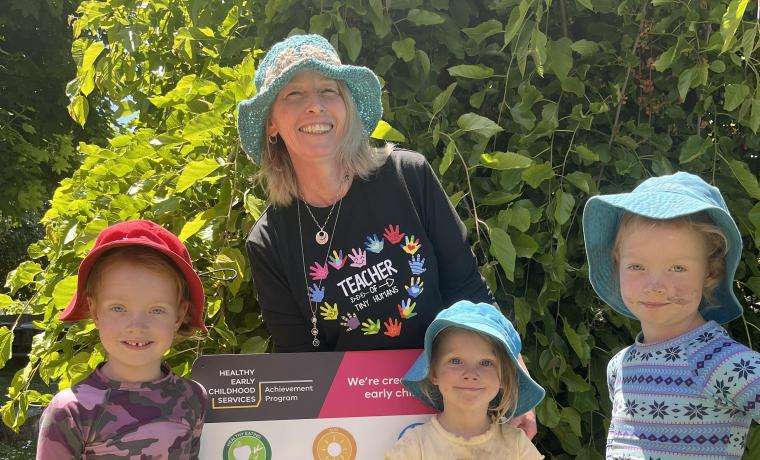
{"x":684,"y":82}
{"x":64,"y":291}
{"x":254,"y":344}
{"x":582,"y":180}
{"x":519,"y":218}
{"x":694,"y":147}
{"x":424,"y":18}
{"x":666,"y":59}
{"x":504,"y":251}
{"x":536,"y":174}
{"x":387,"y":132}
{"x":525,"y":245}
{"x":754,"y":284}
{"x":564,"y":207}
{"x":79,"y":109}
{"x":483,"y":30}
{"x":515,"y":21}
{"x":730,"y":22}
{"x":5,"y":301}
{"x":717,"y":66}
{"x":735,"y":95}
{"x":442,"y":98}
{"x":472,"y":122}
{"x":559,"y":57}
{"x":548,"y":413}
{"x":404,"y":49}
{"x":90,"y":55}
{"x":194,"y":172}
{"x":578,"y":343}
{"x":203,"y":127}
{"x":572,"y":418}
{"x":505,"y":160}
{"x":6,"y":345}
{"x":448,"y":157}
{"x":352,"y":40}
{"x":586,"y":153}
{"x":746,"y":178}
{"x":590,"y":6}
{"x":23,"y":275}
{"x":475,"y":72}
{"x":754,"y":119}
{"x":585,"y":47}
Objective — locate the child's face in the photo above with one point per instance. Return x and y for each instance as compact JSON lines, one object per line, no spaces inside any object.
{"x":137,"y":311}
{"x":466,"y":372}
{"x":663,"y":269}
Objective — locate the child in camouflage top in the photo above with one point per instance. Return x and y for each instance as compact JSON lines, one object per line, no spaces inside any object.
{"x":139,"y":287}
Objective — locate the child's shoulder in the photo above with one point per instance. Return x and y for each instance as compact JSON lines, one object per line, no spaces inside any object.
{"x":409,"y":445}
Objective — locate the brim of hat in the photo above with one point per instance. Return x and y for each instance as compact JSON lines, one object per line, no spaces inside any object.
{"x":601,"y":217}
{"x":361,"y":81}
{"x":529,"y":393}
{"x":78,"y":308}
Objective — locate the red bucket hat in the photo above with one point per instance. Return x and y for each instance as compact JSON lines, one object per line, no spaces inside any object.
{"x":139,"y":233}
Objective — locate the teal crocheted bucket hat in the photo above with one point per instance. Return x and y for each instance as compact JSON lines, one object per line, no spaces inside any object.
{"x":281,"y":63}
{"x":660,"y":198}
{"x":486,"y":319}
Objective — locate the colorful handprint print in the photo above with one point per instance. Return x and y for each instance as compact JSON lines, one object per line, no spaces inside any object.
{"x":374,"y":244}
{"x":358,"y":257}
{"x":349,"y":321}
{"x":337,"y":260}
{"x":316,"y":293}
{"x":415,"y":287}
{"x":406,"y":308}
{"x":392,"y":327}
{"x":371,"y":327}
{"x":411,"y":245}
{"x":318,"y":272}
{"x":417,"y":265}
{"x":393,"y":235}
{"x":329,"y":312}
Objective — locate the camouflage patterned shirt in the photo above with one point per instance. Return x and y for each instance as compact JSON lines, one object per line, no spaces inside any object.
{"x":104,"y":419}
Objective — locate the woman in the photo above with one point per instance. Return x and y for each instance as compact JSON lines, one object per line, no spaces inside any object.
{"x":360,"y":248}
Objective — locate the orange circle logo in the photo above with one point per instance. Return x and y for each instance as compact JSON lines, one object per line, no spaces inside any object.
{"x":334,"y":444}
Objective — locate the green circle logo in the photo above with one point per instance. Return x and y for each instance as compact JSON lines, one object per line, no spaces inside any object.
{"x":247,"y":445}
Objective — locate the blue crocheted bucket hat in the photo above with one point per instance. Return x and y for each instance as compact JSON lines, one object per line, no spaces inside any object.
{"x":486,"y":319}
{"x":281,"y":63}
{"x":661,"y":198}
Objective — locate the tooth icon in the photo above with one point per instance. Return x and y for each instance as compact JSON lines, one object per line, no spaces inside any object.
{"x":242,"y":452}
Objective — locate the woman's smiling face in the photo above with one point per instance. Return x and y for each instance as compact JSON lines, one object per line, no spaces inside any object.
{"x":309,"y":114}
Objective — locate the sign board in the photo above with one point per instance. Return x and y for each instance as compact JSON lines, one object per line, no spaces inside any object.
{"x":338,"y":405}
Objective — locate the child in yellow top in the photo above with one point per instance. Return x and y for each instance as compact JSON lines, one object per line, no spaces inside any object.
{"x":469,"y":372}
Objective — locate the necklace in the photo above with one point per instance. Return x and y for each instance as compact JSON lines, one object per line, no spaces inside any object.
{"x":322,"y":236}
{"x":312,"y":304}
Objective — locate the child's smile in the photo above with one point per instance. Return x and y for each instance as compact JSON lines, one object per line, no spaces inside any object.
{"x":137,"y":312}
{"x":663,"y":269}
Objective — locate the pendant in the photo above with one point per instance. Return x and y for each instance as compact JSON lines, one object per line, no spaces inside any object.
{"x":322,"y":237}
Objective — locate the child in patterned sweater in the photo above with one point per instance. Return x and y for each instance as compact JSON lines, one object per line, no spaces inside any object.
{"x":666,"y":255}
{"x":138,"y":285}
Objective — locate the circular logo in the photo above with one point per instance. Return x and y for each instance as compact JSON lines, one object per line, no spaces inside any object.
{"x":334,"y":444}
{"x":247,"y":445}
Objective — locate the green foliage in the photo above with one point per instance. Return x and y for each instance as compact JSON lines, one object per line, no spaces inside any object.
{"x":524,"y":107}
{"x":37,"y":138}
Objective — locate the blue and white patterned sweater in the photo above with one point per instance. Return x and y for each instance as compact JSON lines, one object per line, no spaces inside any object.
{"x":693,"y":397}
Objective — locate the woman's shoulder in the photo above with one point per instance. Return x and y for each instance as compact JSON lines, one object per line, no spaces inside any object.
{"x":264,"y":229}
{"x":403,"y":159}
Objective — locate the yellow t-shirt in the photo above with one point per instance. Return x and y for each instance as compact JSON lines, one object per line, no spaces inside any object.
{"x":432,"y":441}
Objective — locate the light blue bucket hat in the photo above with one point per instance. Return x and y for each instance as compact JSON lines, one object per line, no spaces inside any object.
{"x":486,"y":319}
{"x":665,"y":197}
{"x":281,"y":63}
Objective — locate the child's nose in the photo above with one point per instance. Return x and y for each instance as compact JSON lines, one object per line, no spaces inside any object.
{"x":138,"y":322}
{"x":655,"y":285}
{"x":471,"y":372}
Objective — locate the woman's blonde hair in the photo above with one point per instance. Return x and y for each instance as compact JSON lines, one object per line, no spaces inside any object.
{"x":505,"y":402}
{"x":715,"y":240}
{"x":356,"y":157}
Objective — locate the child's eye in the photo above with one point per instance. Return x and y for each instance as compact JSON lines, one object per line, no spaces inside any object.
{"x":455,"y":361}
{"x":118,"y":308}
{"x":634,"y":267}
{"x":678,"y":268}
{"x":486,"y":362}
{"x":157,"y":311}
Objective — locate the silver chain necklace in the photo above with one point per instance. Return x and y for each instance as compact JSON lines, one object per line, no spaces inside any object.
{"x":322,"y":236}
{"x":313,"y":305}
